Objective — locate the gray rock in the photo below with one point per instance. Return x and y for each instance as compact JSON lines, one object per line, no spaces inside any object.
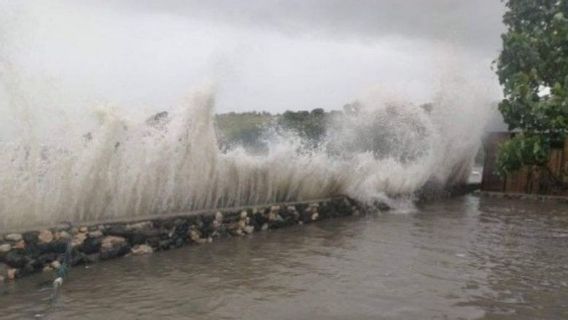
{"x":273,"y":214}
{"x":55,"y":264}
{"x":110,"y":242}
{"x":118,"y":230}
{"x":219,"y":216}
{"x":5,"y":247}
{"x":140,"y":226}
{"x":58,"y":246}
{"x":62,"y":235}
{"x":11,"y":274}
{"x":19,"y":245}
{"x":165,"y":244}
{"x":16,"y":258}
{"x":141,"y":249}
{"x":91,"y":245}
{"x":248,"y":229}
{"x":47,"y":258}
{"x":4,"y":269}
{"x":45,"y":236}
{"x":113,"y":246}
{"x":30,"y":237}
{"x":196,"y":236}
{"x":95,"y":234}
{"x":63,"y":227}
{"x":14,"y":237}
{"x":92,"y":258}
{"x":78,"y":239}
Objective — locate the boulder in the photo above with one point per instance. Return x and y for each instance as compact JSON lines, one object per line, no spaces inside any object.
{"x":118,"y":230}
{"x":55,"y":264}
{"x":58,"y":246}
{"x":13,"y":237}
{"x":62,"y":235}
{"x":95,"y":234}
{"x":92,"y":258}
{"x":5,"y":247}
{"x":47,"y":258}
{"x":4,"y":269}
{"x":78,"y":239}
{"x":153,"y":242}
{"x":45,"y":236}
{"x":274,"y":215}
{"x":19,"y":245}
{"x":248,"y":229}
{"x":219,"y":217}
{"x":136,"y":233}
{"x":16,"y":258}
{"x":91,"y":245}
{"x":30,"y":237}
{"x":145,"y":225}
{"x":113,"y":246}
{"x":141,"y":236}
{"x":165,"y":244}
{"x":110,"y":242}
{"x":196,"y":236}
{"x":32,"y":266}
{"x":141,"y":249}
{"x":11,"y":274}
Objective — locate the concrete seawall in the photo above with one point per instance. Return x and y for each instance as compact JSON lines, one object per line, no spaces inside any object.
{"x":44,"y":249}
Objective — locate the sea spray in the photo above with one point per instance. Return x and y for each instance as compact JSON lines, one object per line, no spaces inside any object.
{"x":124,"y":167}
{"x":61,"y":161}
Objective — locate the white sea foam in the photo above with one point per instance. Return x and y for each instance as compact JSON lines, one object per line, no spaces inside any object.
{"x":63,"y":161}
{"x":123,"y":167}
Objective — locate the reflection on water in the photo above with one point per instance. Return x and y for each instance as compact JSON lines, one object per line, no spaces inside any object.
{"x":464,"y":258}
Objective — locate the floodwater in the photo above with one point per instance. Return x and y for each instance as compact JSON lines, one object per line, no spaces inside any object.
{"x":462,"y":258}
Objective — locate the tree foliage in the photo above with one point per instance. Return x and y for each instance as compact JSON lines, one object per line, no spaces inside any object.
{"x":310,"y":126}
{"x":533,"y":70}
{"x":249,"y":128}
{"x":244,"y":129}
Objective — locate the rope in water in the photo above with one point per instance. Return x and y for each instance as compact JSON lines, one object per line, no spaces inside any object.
{"x":63,"y":270}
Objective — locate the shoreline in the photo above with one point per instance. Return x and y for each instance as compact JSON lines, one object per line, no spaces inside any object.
{"x":43,"y":249}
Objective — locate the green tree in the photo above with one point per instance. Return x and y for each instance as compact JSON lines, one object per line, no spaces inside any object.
{"x":310,"y":126}
{"x":533,"y":70}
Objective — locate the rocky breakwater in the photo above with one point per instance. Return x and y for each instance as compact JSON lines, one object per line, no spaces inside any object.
{"x":44,"y":250}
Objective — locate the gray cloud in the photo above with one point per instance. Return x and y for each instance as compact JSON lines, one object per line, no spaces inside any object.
{"x":263,"y":54}
{"x":474,"y":24}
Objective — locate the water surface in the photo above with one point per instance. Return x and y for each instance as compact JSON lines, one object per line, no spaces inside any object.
{"x":463,"y":258}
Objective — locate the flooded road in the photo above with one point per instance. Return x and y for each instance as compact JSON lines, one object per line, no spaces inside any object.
{"x":463,"y":258}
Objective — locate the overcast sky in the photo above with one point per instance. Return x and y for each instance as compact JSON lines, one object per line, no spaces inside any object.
{"x":262,"y":54}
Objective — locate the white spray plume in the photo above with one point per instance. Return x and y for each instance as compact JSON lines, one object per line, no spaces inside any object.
{"x":128,"y":168}
{"x":63,"y":162}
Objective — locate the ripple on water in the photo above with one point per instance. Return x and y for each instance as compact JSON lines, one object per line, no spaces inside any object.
{"x":463,"y":258}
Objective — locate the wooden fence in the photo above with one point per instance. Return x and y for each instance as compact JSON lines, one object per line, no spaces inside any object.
{"x":529,"y":180}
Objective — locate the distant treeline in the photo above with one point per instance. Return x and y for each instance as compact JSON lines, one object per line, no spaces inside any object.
{"x":248,"y":128}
